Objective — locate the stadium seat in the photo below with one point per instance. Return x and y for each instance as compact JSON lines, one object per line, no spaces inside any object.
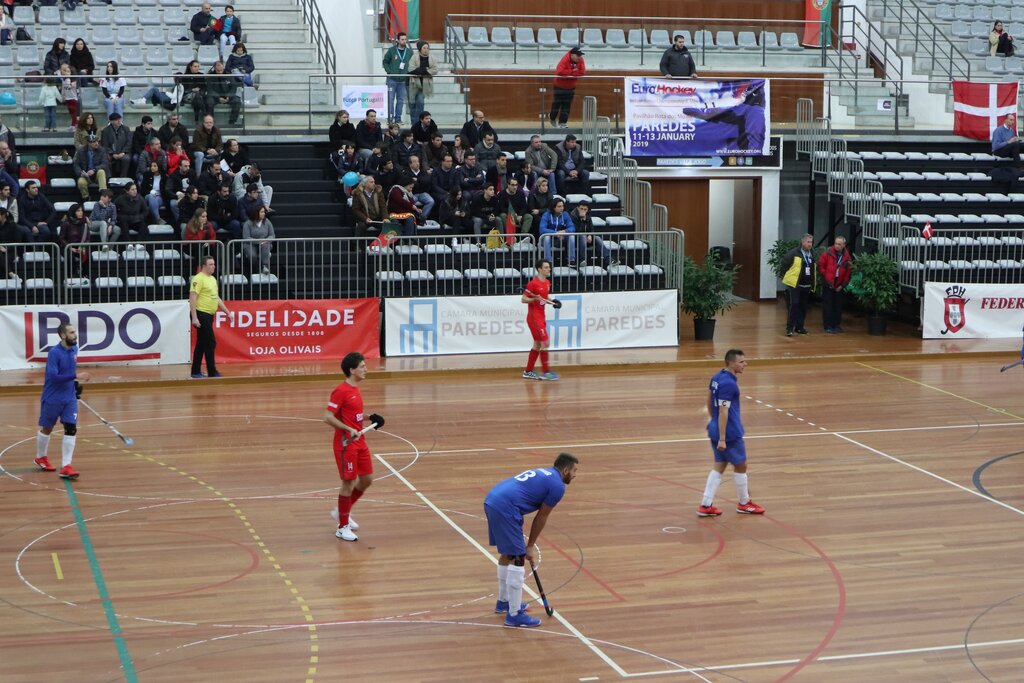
{"x":102,"y":35}
{"x":75,"y":18}
{"x":547,"y":37}
{"x":1016,"y":14}
{"x":24,"y":16}
{"x":99,"y":15}
{"x":704,"y":39}
{"x":638,"y":38}
{"x":76,"y":283}
{"x":592,"y":38}
{"x":181,"y":53}
{"x":28,"y":56}
{"x":162,"y":230}
{"x":140,"y":281}
{"x":153,"y":36}
{"x":770,"y":41}
{"x":208,"y":54}
{"x":569,"y":37}
{"x":747,"y":40}
{"x":171,"y":281}
{"x":477,"y":274}
{"x":456,"y":36}
{"x":47,"y":34}
{"x":128,"y":35}
{"x":726,"y":40}
{"x":616,"y":37}
{"x":419,"y":276}
{"x":983,"y":13}
{"x":501,"y":36}
{"x":38,"y":283}
{"x":103,"y":54}
{"x":791,"y":42}
{"x":145,"y":3}
{"x":6,"y":55}
{"x":49,"y":16}
{"x":448,"y":274}
{"x":980,"y":28}
{"x":963,"y":12}
{"x":239,"y":279}
{"x":659,"y":38}
{"x":524,"y":37}
{"x":121,"y":3}
{"x":157,"y":56}
{"x":124,"y":16}
{"x":150,"y":16}
{"x":478,"y":36}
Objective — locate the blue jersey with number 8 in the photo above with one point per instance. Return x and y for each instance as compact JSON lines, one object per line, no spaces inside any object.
{"x":526,"y":492}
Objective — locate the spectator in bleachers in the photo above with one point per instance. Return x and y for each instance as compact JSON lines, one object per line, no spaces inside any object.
{"x":487,"y":151}
{"x":8,"y":201}
{"x":210,"y":180}
{"x":423,"y":128}
{"x":230,"y":31}
{"x":168,"y":99}
{"x":369,"y":206}
{"x":422,"y":69}
{"x":497,"y":175}
{"x":175,"y":154}
{"x":473,"y":130}
{"x":207,"y":143}
{"x":1000,"y":42}
{"x":49,"y":97}
{"x":81,"y":62}
{"x":512,"y":200}
{"x":189,"y":204}
{"x":223,"y":89}
{"x":386,"y":174}
{"x":223,"y":208}
{"x":234,"y":158}
{"x":142,"y":139}
{"x":9,"y":162}
{"x":199,"y":228}
{"x":346,"y":160}
{"x":35,"y":212}
{"x":368,"y":134}
{"x":341,"y":130}
{"x":10,"y":233}
{"x":539,"y":202}
{"x":154,"y":181}
{"x":55,"y":57}
{"x":454,"y":213}
{"x":459,"y":149}
{"x":132,"y":212}
{"x":558,"y":232}
{"x":422,"y":185}
{"x":86,"y":127}
{"x":571,"y":172}
{"x":677,"y":61}
{"x":201,"y":26}
{"x":396,"y":65}
{"x":434,"y":150}
{"x":392,"y":137}
{"x":118,"y":143}
{"x":1005,"y":142}
{"x":405,"y":149}
{"x":259,"y":227}
{"x":69,"y":93}
{"x":240,"y":63}
{"x":402,"y":205}
{"x":470,"y":176}
{"x":544,"y":161}
{"x":7,"y":135}
{"x":570,"y":68}
{"x":583,"y":223}
{"x":443,"y":178}
{"x":113,"y":87}
{"x":90,"y":166}
{"x":193,"y":84}
{"x":253,"y":175}
{"x":526,"y":177}
{"x":7,"y":26}
{"x":177,"y":186}
{"x":484,"y":210}
{"x":173,"y":128}
{"x":103,"y":219}
{"x":74,"y":230}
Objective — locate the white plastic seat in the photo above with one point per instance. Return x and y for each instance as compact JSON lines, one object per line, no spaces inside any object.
{"x":592,"y":38}
{"x":109,"y":283}
{"x":477,"y":36}
{"x":171,"y":281}
{"x":161,"y":230}
{"x":506,"y":273}
{"x":501,"y":36}
{"x":419,"y":276}
{"x":436,"y":249}
{"x":141,"y":281}
{"x":477,"y":274}
{"x":408,"y":249}
{"x":894,"y":156}
{"x":984,"y":263}
{"x":961,"y":264}
{"x":935,"y":264}
{"x":620,"y":269}
{"x":569,"y":37}
{"x":164,"y":254}
{"x":100,"y":256}
{"x":916,"y":156}
{"x":648,"y":269}
{"x":547,"y":37}
{"x":592,"y":271}
{"x":947,"y":218}
{"x":524,"y":37}
{"x":448,"y":274}
{"x":1009,"y":264}
{"x":35,"y":283}
{"x":77,"y":283}
{"x":233,"y":279}
{"x":150,"y":16}
{"x":932,"y":175}
{"x":993,"y":218}
{"x":564,"y":271}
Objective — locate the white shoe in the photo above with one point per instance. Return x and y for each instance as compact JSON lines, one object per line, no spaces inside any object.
{"x":105,"y":248}
{"x":352,"y":523}
{"x":140,"y":101}
{"x":266,"y":270}
{"x":345,"y":533}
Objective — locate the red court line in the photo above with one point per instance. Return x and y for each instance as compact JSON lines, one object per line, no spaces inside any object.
{"x":578,"y":565}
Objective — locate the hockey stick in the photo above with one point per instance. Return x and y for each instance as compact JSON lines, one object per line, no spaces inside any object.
{"x":540,"y":589}
{"x":128,"y":441}
{"x":374,"y":424}
{"x":1011,"y":365}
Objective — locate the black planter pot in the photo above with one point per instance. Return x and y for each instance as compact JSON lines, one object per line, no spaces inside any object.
{"x":876,"y":324}
{"x":703,"y":329}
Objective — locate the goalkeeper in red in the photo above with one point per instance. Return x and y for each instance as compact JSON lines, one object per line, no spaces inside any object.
{"x":536,"y":296}
{"x":352,"y":455}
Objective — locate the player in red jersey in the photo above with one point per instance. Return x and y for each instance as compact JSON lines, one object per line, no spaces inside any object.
{"x":352,"y":455}
{"x":535,"y":296}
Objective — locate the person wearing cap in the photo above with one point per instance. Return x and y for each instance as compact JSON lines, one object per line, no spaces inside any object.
{"x":570,"y":68}
{"x":118,"y":142}
{"x":91,"y":166}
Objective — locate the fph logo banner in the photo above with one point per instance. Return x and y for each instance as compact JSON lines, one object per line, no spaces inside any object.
{"x":129,"y":333}
{"x":957,"y":310}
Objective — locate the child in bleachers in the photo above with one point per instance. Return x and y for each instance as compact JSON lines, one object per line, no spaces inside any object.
{"x":49,"y":96}
{"x":69,"y":91}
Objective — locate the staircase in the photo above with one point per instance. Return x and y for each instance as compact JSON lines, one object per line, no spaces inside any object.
{"x":304,"y":197}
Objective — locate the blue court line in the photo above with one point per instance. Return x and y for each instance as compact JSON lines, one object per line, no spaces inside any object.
{"x":101,"y":587}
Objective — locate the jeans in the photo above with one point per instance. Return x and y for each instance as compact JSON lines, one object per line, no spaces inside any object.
{"x":599,"y":246}
{"x":244,"y":77}
{"x":113,"y":105}
{"x":478,"y":225}
{"x":398,"y":90}
{"x":583,"y":177}
{"x":157,"y":96}
{"x":426,"y":201}
{"x":232,"y":226}
{"x":155,"y":202}
{"x":227,"y":45}
{"x":49,"y":117}
{"x":100,"y":228}
{"x":552,"y":181}
{"x":416,"y":106}
{"x":42,"y":236}
{"x":577,"y":246}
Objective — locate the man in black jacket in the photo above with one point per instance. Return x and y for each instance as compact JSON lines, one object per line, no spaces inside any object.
{"x":584,"y":224}
{"x":176,"y":184}
{"x":444,"y":178}
{"x":512,"y":200}
{"x":132,"y":211}
{"x":470,"y":175}
{"x":173,"y":129}
{"x":676,"y":61}
{"x":35,"y":212}
{"x":369,"y":134}
{"x":424,"y":128}
{"x":423,"y":184}
{"x":222,"y":210}
{"x":474,"y":129}
{"x":116,"y":139}
{"x":484,"y":209}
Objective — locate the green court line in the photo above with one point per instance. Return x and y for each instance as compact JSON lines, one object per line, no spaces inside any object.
{"x":101,"y":587}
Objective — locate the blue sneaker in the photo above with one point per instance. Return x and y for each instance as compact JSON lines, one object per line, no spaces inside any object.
{"x":215,"y":373}
{"x":198,"y":375}
{"x":549,"y":376}
{"x":501,"y":607}
{"x":530,"y":374}
{"x":522,"y":620}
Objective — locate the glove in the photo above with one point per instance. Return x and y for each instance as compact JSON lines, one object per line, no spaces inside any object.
{"x":556,"y":304}
{"x":78,"y":389}
{"x":377,"y":421}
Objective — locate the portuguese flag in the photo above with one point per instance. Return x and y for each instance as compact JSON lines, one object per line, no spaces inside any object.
{"x":33,"y":165}
{"x":404,"y":16}
{"x":818,"y":23}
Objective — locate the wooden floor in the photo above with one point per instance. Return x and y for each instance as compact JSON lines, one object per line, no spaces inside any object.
{"x":891,"y":550}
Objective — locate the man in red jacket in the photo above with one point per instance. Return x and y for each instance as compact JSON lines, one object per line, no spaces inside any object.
{"x":569,"y":68}
{"x":834,"y":266}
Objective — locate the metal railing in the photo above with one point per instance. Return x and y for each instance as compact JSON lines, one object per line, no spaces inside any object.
{"x":455,"y":54}
{"x":915,"y":25}
{"x":959,"y":255}
{"x":319,"y":35}
{"x":29,"y":274}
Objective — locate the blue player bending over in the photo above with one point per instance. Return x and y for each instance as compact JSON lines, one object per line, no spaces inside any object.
{"x":537,"y":490}
{"x":727,"y":445}
{"x":61,"y":390}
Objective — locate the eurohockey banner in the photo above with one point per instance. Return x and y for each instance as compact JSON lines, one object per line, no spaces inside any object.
{"x":697,"y":118}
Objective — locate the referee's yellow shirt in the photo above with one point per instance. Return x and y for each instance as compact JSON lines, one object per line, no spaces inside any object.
{"x":205,"y":288}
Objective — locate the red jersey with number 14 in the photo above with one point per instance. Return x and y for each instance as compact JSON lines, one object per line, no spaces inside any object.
{"x":346,"y":403}
{"x":535,"y":309}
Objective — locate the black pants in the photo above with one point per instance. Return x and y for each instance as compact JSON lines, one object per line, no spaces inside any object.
{"x":561,"y":102}
{"x":831,"y":308}
{"x":1010,"y":151}
{"x":205,"y":345}
{"x":798,"y":300}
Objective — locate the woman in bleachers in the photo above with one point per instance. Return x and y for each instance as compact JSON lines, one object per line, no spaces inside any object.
{"x":402,"y":206}
{"x":175,"y":154}
{"x":199,"y":228}
{"x":86,"y":127}
{"x":230,"y":32}
{"x":341,"y":130}
{"x":259,"y":227}
{"x":57,"y":56}
{"x":132,"y":211}
{"x":193,"y":81}
{"x":153,"y":179}
{"x":240,"y":63}
{"x":74,"y":230}
{"x":191,"y":203}
{"x":345,"y":160}
{"x":113,"y":86}
{"x":459,"y":149}
{"x":454,"y":213}
{"x":1000,"y":42}
{"x":81,"y":62}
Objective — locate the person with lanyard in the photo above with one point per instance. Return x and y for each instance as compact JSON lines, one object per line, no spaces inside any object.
{"x":203,"y":302}
{"x":834,"y":265}
{"x":396,"y":64}
{"x":801,"y":279}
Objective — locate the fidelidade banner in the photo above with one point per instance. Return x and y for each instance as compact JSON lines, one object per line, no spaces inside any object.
{"x":697,"y":118}
{"x":490,"y":324}
{"x":140,"y":333}
{"x":954,"y":310}
{"x":314,"y":329}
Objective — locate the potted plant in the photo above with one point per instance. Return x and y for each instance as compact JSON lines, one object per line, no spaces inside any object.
{"x":707,"y":291}
{"x":875,"y":284}
{"x":777,"y":253}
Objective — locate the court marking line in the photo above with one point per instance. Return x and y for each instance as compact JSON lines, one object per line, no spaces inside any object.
{"x":56,"y":566}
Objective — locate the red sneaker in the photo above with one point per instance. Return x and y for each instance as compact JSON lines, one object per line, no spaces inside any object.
{"x":708,"y":511}
{"x":68,"y":472}
{"x":750,"y":508}
{"x":43,"y":463}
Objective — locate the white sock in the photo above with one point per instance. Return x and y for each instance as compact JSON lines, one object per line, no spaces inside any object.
{"x":67,"y":447}
{"x":516,"y":577}
{"x":742,"y":495}
{"x":502,"y":582}
{"x":42,"y":444}
{"x":711,"y":488}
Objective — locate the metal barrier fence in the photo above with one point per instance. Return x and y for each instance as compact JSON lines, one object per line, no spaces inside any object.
{"x":961,"y":255}
{"x":29,"y":274}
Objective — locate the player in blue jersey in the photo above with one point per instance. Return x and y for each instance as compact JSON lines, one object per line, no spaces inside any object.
{"x":724,"y":408}
{"x":61,"y":390}
{"x":537,"y":490}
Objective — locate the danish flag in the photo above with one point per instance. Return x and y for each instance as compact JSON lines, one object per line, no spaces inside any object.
{"x":979,"y":108}
{"x":927,"y":232}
